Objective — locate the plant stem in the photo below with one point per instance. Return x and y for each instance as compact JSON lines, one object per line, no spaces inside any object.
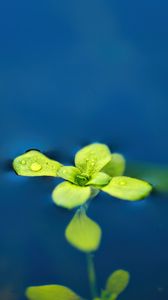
{"x":91,"y":275}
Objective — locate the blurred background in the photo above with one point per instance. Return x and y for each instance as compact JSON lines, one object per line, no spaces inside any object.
{"x":72,"y":73}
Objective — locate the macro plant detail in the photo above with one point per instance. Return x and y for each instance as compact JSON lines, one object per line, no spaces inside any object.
{"x":116,"y":283}
{"x":95,"y":169}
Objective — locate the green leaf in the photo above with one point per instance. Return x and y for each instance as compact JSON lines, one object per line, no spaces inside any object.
{"x":117,"y":283}
{"x":83,"y":233}
{"x":34,"y":163}
{"x":51,"y":292}
{"x":113,"y":297}
{"x":105,"y":295}
{"x":127,"y":188}
{"x":69,"y":173}
{"x":91,"y":159}
{"x":116,"y":166}
{"x":99,"y":178}
{"x":69,"y":195}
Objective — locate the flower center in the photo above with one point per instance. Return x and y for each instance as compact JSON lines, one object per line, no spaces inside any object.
{"x":81,"y":179}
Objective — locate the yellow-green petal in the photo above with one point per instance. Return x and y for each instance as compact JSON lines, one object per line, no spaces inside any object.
{"x":34,"y":163}
{"x":91,"y":159}
{"x":116,"y":166}
{"x":69,"y":173}
{"x":99,"y":178}
{"x":127,"y":188}
{"x":69,"y":195}
{"x":51,"y":292}
{"x":83,"y":233}
{"x":117,"y":283}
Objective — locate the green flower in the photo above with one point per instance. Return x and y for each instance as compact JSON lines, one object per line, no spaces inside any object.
{"x":96,"y":169}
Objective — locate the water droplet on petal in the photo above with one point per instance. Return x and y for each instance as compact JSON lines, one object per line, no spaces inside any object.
{"x":35,"y":167}
{"x":23,"y":162}
{"x":122,"y":182}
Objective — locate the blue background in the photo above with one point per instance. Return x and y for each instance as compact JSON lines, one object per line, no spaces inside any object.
{"x":71,"y":73}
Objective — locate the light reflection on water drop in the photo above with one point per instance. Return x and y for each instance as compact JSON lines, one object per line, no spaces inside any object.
{"x":35,"y":167}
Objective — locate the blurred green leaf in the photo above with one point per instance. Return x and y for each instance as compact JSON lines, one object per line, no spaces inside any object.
{"x":51,"y":292}
{"x":83,"y":233}
{"x":116,"y":166}
{"x":113,"y":297}
{"x":117,"y":283}
{"x":127,"y":188}
{"x":69,"y":195}
{"x":34,"y":163}
{"x":91,"y":159}
{"x":155,"y":173}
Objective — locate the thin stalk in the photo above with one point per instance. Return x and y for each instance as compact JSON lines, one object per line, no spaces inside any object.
{"x":91,"y":275}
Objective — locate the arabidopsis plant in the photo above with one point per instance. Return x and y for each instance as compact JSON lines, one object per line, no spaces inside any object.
{"x":96,"y":169}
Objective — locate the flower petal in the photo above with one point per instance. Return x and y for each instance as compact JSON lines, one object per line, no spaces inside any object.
{"x":127,"y":188}
{"x":117,"y":282}
{"x":51,"y":292}
{"x":68,"y":173}
{"x":69,"y":195}
{"x":116,"y":166}
{"x":34,"y":163}
{"x":99,"y":178}
{"x":83,"y":233}
{"x":92,"y":158}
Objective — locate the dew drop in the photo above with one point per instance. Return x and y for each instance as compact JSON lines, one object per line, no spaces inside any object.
{"x":122,"y":182}
{"x":23,"y":162}
{"x":92,"y":162}
{"x":35,"y":167}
